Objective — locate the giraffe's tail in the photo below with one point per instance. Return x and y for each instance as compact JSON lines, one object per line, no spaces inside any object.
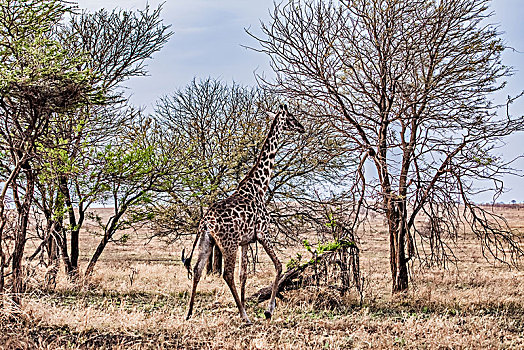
{"x":187,"y":261}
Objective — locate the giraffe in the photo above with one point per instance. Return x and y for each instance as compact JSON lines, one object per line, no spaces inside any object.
{"x":242,"y":218}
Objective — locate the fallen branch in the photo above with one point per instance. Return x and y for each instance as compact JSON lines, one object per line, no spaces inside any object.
{"x":286,"y":282}
{"x":293,"y":277}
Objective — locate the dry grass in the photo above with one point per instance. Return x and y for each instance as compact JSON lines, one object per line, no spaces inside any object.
{"x":138,"y":296}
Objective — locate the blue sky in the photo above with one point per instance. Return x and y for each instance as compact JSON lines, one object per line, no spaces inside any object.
{"x":207,"y":40}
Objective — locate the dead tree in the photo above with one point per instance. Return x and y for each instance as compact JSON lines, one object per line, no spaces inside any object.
{"x":409,"y":84}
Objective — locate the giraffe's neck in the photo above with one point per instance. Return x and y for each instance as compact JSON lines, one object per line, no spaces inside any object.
{"x":257,"y":180}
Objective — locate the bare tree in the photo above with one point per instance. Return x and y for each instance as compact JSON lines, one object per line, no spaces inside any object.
{"x":118,"y":43}
{"x":223,"y":128}
{"x":409,"y":84}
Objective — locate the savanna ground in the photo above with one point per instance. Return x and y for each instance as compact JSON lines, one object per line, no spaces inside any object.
{"x":139,"y":293}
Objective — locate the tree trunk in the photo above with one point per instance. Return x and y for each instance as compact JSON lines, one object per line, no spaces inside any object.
{"x":2,"y":259}
{"x":94,"y":258}
{"x":96,"y":255}
{"x":108,"y":234}
{"x":110,"y":229}
{"x":73,"y":274}
{"x":73,"y":256}
{"x":75,"y":237}
{"x":3,"y":222}
{"x":52,"y":258}
{"x":397,"y":244}
{"x":61,"y":240}
{"x":99,"y":249}
{"x":20,"y":236}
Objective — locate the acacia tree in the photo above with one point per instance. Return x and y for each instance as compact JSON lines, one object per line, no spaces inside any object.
{"x":409,"y":83}
{"x":133,"y":166}
{"x":39,"y":80}
{"x":117,"y":45}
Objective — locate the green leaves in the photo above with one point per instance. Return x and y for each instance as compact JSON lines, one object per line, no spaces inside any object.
{"x":129,"y":160}
{"x":307,"y":246}
{"x":332,"y":222}
{"x":328,"y":246}
{"x":33,"y":64}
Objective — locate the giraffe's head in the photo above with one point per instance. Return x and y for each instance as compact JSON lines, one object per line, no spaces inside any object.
{"x":290,"y":122}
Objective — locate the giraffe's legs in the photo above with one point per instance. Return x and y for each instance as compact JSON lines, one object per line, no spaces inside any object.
{"x":243,"y":275}
{"x":205,"y":247}
{"x":278,"y":267}
{"x":230,"y":258}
